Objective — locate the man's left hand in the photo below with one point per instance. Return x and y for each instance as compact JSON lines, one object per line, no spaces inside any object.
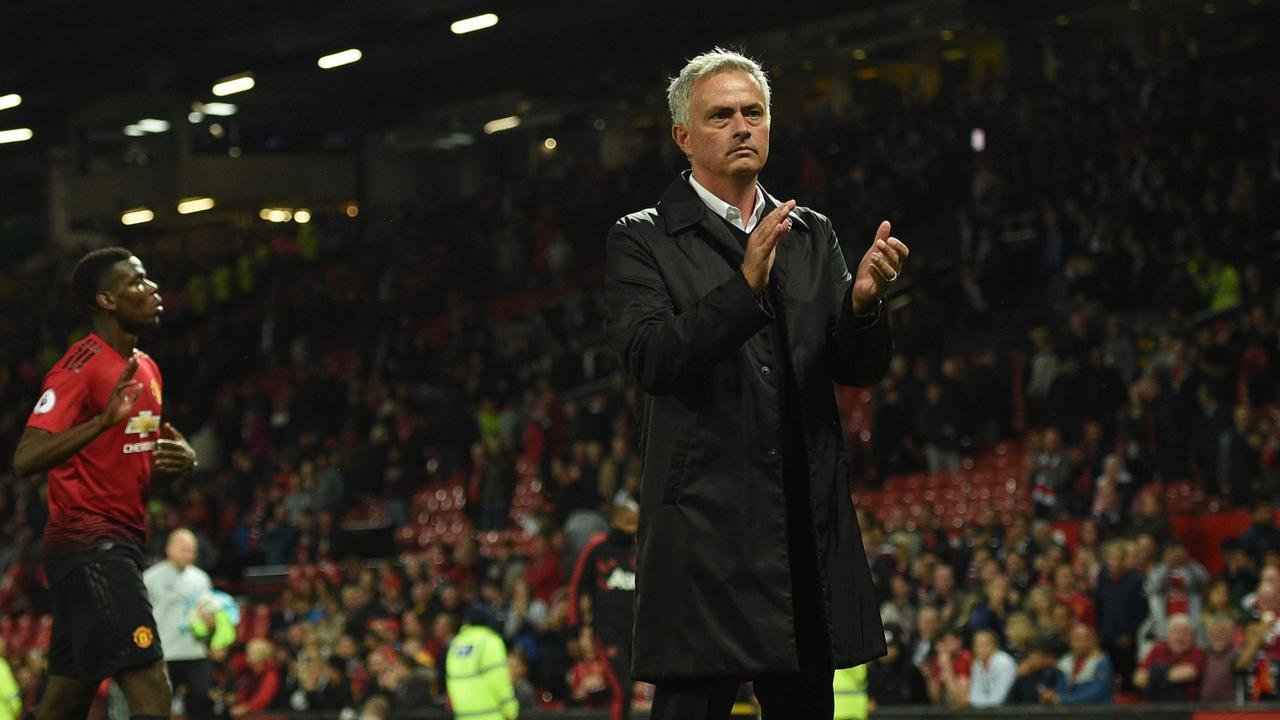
{"x":173,"y":456}
{"x":878,"y":269}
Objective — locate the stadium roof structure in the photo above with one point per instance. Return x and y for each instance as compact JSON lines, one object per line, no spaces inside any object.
{"x":62,"y":55}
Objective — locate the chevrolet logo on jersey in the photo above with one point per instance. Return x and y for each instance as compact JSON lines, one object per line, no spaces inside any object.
{"x":143,"y":424}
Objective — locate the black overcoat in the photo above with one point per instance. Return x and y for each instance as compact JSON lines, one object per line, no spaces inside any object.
{"x":713,"y":589}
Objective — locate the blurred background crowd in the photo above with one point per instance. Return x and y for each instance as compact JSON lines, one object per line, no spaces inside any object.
{"x":403,"y":412}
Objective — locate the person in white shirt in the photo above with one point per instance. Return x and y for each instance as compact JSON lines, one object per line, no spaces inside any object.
{"x":993,"y":671}
{"x":172,"y":585}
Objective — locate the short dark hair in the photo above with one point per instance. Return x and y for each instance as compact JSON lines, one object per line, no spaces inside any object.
{"x":86,"y":279}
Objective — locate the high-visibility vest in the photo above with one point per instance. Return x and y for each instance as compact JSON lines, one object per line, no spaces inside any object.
{"x":477,"y":677}
{"x":850,"y":687}
{"x":10,"y":693}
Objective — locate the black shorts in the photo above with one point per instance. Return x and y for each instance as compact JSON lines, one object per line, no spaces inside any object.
{"x":102,"y":620}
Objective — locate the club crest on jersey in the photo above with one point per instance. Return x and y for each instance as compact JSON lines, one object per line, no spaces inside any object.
{"x":155,"y":391}
{"x":142,"y":424}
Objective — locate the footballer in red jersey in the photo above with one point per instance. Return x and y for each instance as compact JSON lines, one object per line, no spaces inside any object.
{"x":97,"y":431}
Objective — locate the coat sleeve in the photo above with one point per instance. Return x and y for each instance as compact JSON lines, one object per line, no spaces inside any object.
{"x":660,"y":349}
{"x":497,"y":678}
{"x":858,"y":348}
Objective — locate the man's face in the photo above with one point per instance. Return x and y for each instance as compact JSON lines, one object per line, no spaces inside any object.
{"x":133,"y":298}
{"x":728,"y":131}
{"x":181,"y":550}
{"x":1180,"y":638}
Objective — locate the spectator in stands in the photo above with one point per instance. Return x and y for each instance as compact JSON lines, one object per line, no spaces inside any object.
{"x":1176,"y":587}
{"x":1262,"y":537}
{"x":936,"y":427}
{"x":589,"y":678}
{"x":951,"y":603}
{"x":1068,"y":590}
{"x":1121,"y":606}
{"x":1087,"y":676}
{"x":259,"y":683}
{"x":1151,"y":518}
{"x":946,"y":673}
{"x":928,"y":628}
{"x":543,"y":570}
{"x":992,"y":673}
{"x":898,"y":608}
{"x":322,"y":685}
{"x":894,"y":679}
{"x":1172,"y":671}
{"x":1237,"y":571}
{"x":408,"y":689}
{"x":992,"y":611}
{"x":1220,"y":681}
{"x":1049,"y":476}
{"x":1036,"y":673}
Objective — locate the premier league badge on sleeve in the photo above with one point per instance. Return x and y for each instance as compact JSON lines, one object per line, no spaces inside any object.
{"x":46,"y":402}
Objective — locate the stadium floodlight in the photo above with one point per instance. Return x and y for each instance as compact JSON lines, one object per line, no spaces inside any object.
{"x":153,"y":125}
{"x":505,"y":123}
{"x":471,"y":24}
{"x":220,"y":109}
{"x":302,"y":216}
{"x":134,"y":130}
{"x":233,"y":84}
{"x":195,"y":205}
{"x":15,"y":135}
{"x":194,"y":117}
{"x":12,"y":100}
{"x":137,"y":216}
{"x":550,"y":143}
{"x":346,"y":57}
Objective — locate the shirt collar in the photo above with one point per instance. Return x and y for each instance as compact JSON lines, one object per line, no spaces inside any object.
{"x":727,"y":211}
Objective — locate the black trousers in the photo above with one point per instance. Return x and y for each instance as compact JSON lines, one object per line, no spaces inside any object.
{"x":804,"y":695}
{"x":196,"y":676}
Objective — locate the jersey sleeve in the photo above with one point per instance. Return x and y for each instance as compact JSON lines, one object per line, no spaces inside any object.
{"x":62,"y":403}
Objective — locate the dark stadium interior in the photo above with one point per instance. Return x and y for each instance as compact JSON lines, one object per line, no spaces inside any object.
{"x":404,"y":404}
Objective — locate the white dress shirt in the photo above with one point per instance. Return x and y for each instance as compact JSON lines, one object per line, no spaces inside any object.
{"x":729,"y":212}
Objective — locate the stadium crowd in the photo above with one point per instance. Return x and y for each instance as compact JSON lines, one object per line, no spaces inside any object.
{"x":1096,"y":287}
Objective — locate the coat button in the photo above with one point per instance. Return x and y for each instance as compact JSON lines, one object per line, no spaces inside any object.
{"x":765,"y":370}
{"x":773,"y":452}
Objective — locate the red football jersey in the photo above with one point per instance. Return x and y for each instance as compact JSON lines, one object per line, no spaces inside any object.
{"x":100,"y":493}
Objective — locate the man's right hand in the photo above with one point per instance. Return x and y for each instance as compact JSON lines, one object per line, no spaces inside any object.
{"x":123,"y":395}
{"x":762,"y":245}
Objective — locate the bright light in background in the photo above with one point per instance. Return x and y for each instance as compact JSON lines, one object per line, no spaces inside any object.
{"x":12,"y":100}
{"x":134,"y":131}
{"x":302,"y":216}
{"x":194,"y":117}
{"x":15,"y":135}
{"x":194,"y":205}
{"x":947,"y":35}
{"x":153,"y":125}
{"x":471,"y":24}
{"x":550,"y":143}
{"x":216,"y":130}
{"x":506,"y":123}
{"x":353,"y":210}
{"x":346,"y":57}
{"x":859,"y":54}
{"x":219,"y":108}
{"x":232,"y":85}
{"x":275,"y":215}
{"x":137,"y":216}
{"x":978,"y":140}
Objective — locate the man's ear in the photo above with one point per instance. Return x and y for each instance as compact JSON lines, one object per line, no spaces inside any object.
{"x":681,"y":137}
{"x":105,"y":300}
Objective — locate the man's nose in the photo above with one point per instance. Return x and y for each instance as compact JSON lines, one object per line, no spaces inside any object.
{"x":741,"y":128}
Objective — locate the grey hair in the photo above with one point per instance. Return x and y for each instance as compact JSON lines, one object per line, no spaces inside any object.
{"x":718,"y":60}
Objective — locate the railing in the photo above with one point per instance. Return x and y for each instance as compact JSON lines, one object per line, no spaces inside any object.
{"x":1178,"y":711}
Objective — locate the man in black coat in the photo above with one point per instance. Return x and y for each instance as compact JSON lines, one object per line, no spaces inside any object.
{"x":734,"y":313}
